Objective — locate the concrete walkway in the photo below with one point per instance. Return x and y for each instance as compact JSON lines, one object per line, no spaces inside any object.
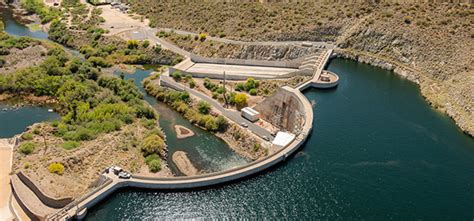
{"x":6,"y":149}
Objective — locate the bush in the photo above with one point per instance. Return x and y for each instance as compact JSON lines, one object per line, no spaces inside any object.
{"x":192,"y":83}
{"x":177,"y":75}
{"x":253,"y":91}
{"x":79,"y":134}
{"x":202,"y":37}
{"x":204,"y":107}
{"x":146,"y":43}
{"x":27,"y":148}
{"x":211,"y":124}
{"x":240,"y":100}
{"x":407,"y":19}
{"x":155,"y":165}
{"x":132,"y":44}
{"x":27,"y":136}
{"x":69,"y":145}
{"x":240,"y":87}
{"x":56,"y":168}
{"x":157,"y":48}
{"x":152,"y":144}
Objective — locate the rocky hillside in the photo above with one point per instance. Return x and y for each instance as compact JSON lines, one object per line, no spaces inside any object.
{"x":430,"y":43}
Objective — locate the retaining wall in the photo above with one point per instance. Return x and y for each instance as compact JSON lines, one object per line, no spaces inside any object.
{"x":231,"y":61}
{"x":46,"y":199}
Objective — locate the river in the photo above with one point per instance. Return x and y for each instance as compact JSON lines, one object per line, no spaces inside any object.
{"x":207,"y":152}
{"x":377,"y":151}
{"x":14,"y":120}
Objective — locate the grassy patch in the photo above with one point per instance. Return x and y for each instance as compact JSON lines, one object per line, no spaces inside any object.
{"x":69,"y":145}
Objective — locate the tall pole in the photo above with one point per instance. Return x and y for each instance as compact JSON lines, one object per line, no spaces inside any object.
{"x":225,"y":92}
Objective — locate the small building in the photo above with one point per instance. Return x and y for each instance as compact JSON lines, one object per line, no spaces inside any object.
{"x":282,"y":139}
{"x":250,"y":114}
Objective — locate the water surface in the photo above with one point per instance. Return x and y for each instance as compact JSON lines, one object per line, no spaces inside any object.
{"x":378,"y":151}
{"x":14,"y":27}
{"x":207,"y":152}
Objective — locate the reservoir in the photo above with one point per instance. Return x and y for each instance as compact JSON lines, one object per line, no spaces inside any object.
{"x":377,"y":151}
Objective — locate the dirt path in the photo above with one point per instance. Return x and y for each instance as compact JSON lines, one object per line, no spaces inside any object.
{"x":5,"y":169}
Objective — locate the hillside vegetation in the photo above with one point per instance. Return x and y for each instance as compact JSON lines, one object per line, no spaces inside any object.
{"x":432,"y":42}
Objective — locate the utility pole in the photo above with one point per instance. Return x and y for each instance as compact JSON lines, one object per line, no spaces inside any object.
{"x":225,"y":92}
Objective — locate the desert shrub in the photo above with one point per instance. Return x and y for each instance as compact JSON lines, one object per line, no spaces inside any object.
{"x":152,"y":144}
{"x":253,"y":91}
{"x":202,"y":36}
{"x":240,"y":87}
{"x":27,"y":148}
{"x":240,"y":100}
{"x":99,"y":62}
{"x":27,"y":136}
{"x":407,"y":19}
{"x":256,"y":147}
{"x":145,"y":44}
{"x":157,"y":48}
{"x":177,"y":75}
{"x":192,"y":83}
{"x":69,"y":145}
{"x":204,"y":107}
{"x":132,"y":44}
{"x":79,"y":134}
{"x":56,"y":168}
{"x":154,"y":165}
{"x":148,"y":123}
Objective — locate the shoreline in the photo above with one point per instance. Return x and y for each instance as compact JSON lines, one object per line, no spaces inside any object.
{"x":410,"y":74}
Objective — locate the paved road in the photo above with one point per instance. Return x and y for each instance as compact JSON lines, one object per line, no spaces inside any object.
{"x":231,"y":114}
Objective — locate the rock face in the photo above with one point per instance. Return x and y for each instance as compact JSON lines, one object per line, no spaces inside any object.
{"x":265,"y":52}
{"x":181,"y":160}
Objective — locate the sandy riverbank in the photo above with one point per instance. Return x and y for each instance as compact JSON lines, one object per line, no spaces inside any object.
{"x":181,"y":160}
{"x":183,"y":132}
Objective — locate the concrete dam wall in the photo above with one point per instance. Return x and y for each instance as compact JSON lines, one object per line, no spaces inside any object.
{"x":283,"y":109}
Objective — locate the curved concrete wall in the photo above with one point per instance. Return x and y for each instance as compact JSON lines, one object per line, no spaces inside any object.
{"x":47,"y":200}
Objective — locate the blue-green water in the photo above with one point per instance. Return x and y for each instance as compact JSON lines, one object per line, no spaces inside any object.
{"x":14,"y":27}
{"x":378,"y":151}
{"x":15,"y":120}
{"x":207,"y":152}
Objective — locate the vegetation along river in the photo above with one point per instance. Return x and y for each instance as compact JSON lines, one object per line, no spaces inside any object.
{"x":377,"y":151}
{"x":207,"y":152}
{"x":14,"y":120}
